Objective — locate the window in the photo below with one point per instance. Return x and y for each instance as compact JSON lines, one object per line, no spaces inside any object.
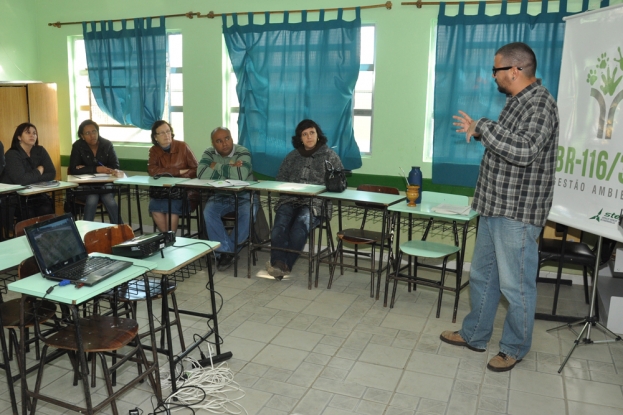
{"x":429,"y":127}
{"x":84,"y":105}
{"x":364,"y":92}
{"x":363,"y":96}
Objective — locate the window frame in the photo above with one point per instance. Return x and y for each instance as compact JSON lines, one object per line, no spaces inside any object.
{"x":78,"y":107}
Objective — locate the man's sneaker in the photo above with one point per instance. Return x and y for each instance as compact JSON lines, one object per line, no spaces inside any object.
{"x":225,"y":261}
{"x":502,"y":363}
{"x":454,"y":338}
{"x":274,"y":272}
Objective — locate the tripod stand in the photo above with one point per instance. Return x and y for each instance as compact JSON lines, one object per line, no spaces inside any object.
{"x":591,"y":319}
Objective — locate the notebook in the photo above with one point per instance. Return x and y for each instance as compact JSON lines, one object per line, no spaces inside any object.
{"x":61,"y":254}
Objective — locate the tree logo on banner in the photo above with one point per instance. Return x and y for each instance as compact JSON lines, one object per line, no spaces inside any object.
{"x":608,"y":86}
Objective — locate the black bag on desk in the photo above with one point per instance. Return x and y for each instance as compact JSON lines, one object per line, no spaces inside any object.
{"x":173,"y":193}
{"x":334,"y":179}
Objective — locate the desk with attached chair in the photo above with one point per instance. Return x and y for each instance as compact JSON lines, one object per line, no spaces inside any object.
{"x":369,"y":199}
{"x":430,"y":220}
{"x":96,"y":334}
{"x":204,"y":186}
{"x":147,"y":181}
{"x":297,"y":189}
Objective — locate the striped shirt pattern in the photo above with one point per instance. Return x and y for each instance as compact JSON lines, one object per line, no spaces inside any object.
{"x":222,"y":170}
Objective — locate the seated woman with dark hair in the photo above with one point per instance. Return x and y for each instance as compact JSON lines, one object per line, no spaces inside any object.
{"x":305,"y":164}
{"x":94,"y":154}
{"x":26,"y":163}
{"x":173,"y":158}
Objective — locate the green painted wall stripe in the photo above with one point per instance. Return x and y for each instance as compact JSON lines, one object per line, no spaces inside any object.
{"x":124,"y":164}
{"x":354,"y":179}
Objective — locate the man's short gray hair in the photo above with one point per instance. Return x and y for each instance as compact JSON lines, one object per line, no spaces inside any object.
{"x":219,"y":129}
{"x":520,"y":55}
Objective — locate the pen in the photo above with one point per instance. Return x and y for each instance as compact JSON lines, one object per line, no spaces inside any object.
{"x":109,"y":170}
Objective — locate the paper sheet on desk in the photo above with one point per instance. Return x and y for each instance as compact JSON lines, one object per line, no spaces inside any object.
{"x":452,"y":209}
{"x":227,"y":183}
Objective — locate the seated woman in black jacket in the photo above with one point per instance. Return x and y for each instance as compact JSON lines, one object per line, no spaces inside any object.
{"x":94,"y":154}
{"x":26,"y":163}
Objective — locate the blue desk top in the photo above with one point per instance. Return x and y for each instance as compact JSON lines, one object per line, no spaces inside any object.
{"x":291,"y":188}
{"x":9,"y":188}
{"x":425,"y":209}
{"x":36,"y":190}
{"x":14,"y":251}
{"x":150,"y":181}
{"x":37,"y":286}
{"x":182,"y":253}
{"x":362,"y":196}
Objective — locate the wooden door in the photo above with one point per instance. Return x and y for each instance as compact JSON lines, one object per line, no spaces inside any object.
{"x":13,"y":111}
{"x":44,"y":114}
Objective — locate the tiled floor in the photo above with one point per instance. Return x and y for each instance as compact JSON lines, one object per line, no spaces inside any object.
{"x":339,"y":352}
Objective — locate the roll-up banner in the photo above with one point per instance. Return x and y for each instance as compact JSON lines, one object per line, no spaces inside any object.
{"x":588,"y":192}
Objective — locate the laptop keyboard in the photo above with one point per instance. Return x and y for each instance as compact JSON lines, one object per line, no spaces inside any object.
{"x":84,"y":268}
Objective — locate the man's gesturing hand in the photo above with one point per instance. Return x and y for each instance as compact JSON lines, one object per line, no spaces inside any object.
{"x":466,"y":125}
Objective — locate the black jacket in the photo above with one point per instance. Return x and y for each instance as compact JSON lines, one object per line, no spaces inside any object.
{"x":81,"y":155}
{"x":21,"y":169}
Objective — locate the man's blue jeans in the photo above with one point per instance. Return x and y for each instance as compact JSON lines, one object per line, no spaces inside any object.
{"x":505,"y":262}
{"x":219,"y":205}
{"x":290,"y":231}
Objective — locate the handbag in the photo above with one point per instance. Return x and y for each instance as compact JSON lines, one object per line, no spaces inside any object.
{"x":334,"y":179}
{"x":173,"y":193}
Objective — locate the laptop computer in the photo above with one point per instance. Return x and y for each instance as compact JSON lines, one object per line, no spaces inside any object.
{"x":62,"y":255}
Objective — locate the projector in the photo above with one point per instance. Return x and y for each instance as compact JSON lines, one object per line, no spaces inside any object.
{"x":144,"y":245}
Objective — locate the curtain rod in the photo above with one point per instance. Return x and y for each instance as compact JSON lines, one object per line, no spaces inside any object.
{"x":190,"y":15}
{"x":421,"y":3}
{"x":387,"y":5}
{"x":212,"y":15}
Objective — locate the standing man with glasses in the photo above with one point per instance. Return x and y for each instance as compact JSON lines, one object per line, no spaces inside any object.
{"x":226,"y":160}
{"x":513,"y":197}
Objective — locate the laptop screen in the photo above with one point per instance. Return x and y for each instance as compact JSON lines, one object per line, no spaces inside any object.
{"x":56,"y":243}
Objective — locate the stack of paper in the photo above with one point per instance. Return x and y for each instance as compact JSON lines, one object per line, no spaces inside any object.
{"x":51,"y":183}
{"x":452,"y":209}
{"x":90,"y":176}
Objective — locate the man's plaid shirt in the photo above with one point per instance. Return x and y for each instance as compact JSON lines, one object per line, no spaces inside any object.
{"x":516,"y":178}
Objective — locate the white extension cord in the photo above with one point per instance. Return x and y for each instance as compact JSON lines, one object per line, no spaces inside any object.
{"x":209,"y":388}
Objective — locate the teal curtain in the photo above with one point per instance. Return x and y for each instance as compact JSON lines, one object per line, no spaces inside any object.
{"x":466,"y":45}
{"x":288,"y":72}
{"x":128,"y":70}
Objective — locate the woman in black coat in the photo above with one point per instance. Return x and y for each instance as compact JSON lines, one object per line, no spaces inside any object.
{"x":93,"y":154}
{"x":26,"y":163}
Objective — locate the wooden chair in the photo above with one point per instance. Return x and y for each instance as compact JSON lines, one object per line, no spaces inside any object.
{"x":6,"y":366}
{"x":46,"y":310}
{"x":192,"y":205}
{"x":20,"y":226}
{"x":102,"y":240}
{"x":99,"y":335}
{"x":362,"y":237}
{"x":10,"y":320}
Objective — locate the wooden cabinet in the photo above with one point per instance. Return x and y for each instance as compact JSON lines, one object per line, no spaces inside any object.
{"x":35,"y":103}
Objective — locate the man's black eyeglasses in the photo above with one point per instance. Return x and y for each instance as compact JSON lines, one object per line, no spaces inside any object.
{"x":505,"y":68}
